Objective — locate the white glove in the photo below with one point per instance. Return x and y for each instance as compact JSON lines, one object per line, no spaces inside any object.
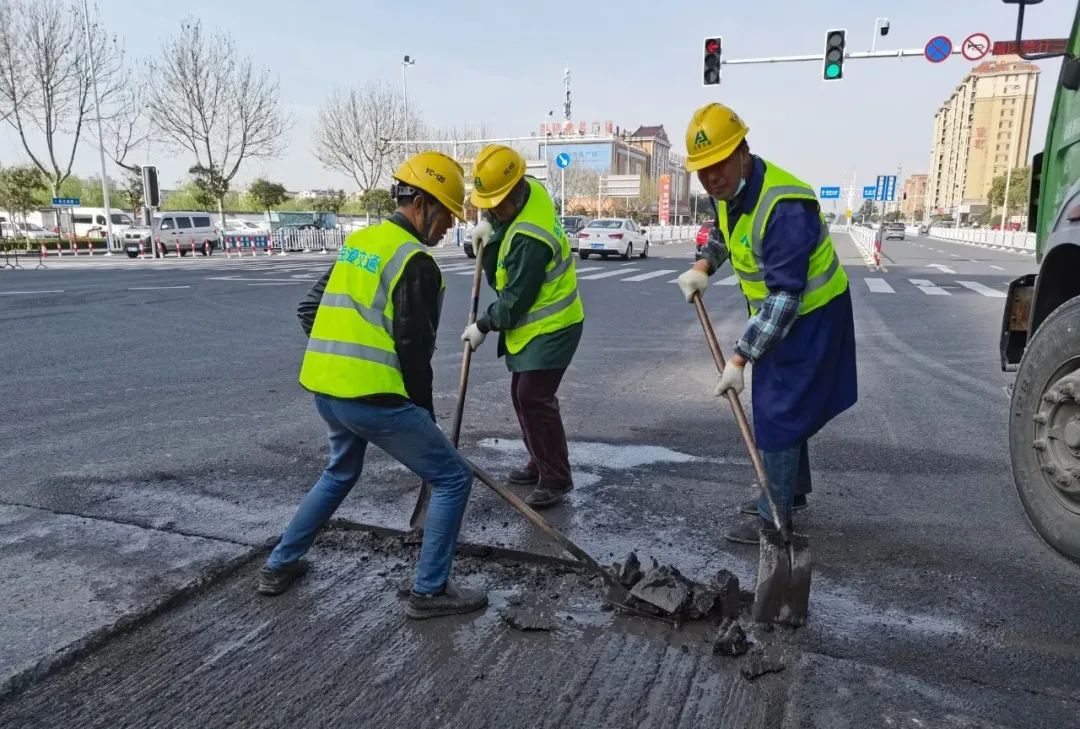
{"x":693,"y":282}
{"x":473,"y":336}
{"x":480,"y":235}
{"x":732,"y":379}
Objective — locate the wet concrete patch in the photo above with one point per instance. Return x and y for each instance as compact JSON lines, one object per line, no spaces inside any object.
{"x":67,"y":580}
{"x":336,"y":650}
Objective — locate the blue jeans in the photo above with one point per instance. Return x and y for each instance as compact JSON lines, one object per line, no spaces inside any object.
{"x":408,"y":434}
{"x":789,"y":475}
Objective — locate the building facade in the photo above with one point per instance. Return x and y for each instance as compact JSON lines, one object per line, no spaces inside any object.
{"x":913,"y":197}
{"x":981,"y":131}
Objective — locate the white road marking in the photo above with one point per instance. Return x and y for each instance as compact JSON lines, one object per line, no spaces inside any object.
{"x":954,"y":256}
{"x":155,"y":288}
{"x":607,"y":274}
{"x":729,"y":281}
{"x":928,"y":287}
{"x":943,"y":269}
{"x":879,"y":286}
{"x":279,"y":283}
{"x":15,"y":293}
{"x":589,"y":268}
{"x":981,"y":289}
{"x":998,"y":268}
{"x":650,"y":274}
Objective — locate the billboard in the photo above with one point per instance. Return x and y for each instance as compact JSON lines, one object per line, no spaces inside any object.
{"x":595,"y":157}
{"x":664,"y":204}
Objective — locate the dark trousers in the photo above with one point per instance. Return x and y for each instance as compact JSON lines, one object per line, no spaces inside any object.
{"x":537,"y":408}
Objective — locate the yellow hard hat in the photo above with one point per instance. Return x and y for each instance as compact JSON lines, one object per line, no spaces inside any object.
{"x":498,"y":168}
{"x":713,"y":134}
{"x":439,"y":176}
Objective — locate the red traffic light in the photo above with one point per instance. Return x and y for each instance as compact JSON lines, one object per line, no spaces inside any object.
{"x":712,"y":45}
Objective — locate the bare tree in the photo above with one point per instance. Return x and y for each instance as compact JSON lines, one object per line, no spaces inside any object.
{"x":207,"y":100}
{"x":129,"y":126}
{"x":461,"y":135}
{"x":356,"y":129}
{"x":45,"y":80}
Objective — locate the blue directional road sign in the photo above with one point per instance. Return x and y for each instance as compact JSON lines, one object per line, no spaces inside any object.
{"x":938,"y":49}
{"x":562,"y":160}
{"x":830,"y":193}
{"x":65,"y":202}
{"x":885,"y":190}
{"x":869,"y":192}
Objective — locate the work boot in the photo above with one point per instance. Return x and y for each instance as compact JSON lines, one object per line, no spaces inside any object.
{"x":453,"y":600}
{"x":750,"y":507}
{"x":542,"y":497}
{"x":275,"y":582}
{"x":527,"y":476}
{"x":748,"y":531}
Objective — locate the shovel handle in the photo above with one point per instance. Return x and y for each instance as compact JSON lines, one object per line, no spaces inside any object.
{"x":545,"y":526}
{"x":740,"y":418}
{"x":420,"y":509}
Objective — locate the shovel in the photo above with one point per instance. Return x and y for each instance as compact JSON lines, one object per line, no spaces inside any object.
{"x":617,"y":595}
{"x":419,"y":514}
{"x":783,"y":587}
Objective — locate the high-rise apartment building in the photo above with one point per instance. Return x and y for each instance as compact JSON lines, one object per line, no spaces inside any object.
{"x":980,"y":132}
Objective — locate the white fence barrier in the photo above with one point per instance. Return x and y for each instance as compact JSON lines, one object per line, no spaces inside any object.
{"x":670,"y":233}
{"x":1020,"y":241}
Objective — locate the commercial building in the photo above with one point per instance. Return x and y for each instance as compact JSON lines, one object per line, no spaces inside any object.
{"x":980,"y":132}
{"x":913,"y":197}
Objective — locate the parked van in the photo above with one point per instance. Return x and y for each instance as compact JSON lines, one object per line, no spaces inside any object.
{"x":90,"y":222}
{"x":178,"y":232}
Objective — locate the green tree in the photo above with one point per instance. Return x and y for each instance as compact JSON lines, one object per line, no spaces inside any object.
{"x":131,"y":193}
{"x":377,"y":202}
{"x":332,"y":203}
{"x":210,"y":187}
{"x":1018,"y":190}
{"x":19,"y":189}
{"x":267,"y":194}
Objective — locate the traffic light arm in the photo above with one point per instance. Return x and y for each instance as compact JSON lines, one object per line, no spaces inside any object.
{"x":820,"y":57}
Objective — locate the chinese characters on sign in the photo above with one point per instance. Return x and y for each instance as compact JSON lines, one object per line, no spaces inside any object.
{"x":665,"y":199}
{"x":980,"y":138}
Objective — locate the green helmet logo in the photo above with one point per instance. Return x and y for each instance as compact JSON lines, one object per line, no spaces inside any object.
{"x":700,"y":139}
{"x":477,"y":184}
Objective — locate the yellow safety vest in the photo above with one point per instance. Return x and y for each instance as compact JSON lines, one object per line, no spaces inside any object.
{"x":825,"y":278}
{"x":557,"y":305}
{"x":351,"y":349}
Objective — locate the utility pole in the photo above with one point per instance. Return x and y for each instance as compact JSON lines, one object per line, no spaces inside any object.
{"x":566,"y":86}
{"x":101,"y":143}
{"x":405,"y":64}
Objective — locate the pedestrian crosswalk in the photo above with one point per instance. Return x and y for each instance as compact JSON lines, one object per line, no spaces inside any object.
{"x":934,"y":288}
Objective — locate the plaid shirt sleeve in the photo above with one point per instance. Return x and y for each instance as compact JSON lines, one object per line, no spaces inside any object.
{"x":769,"y":325}
{"x":714,"y":252}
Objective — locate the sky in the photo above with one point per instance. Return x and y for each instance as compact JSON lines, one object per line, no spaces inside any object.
{"x":631,"y":62}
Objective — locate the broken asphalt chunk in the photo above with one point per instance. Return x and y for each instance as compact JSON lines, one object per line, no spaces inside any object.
{"x":762,"y":661}
{"x":664,"y":588}
{"x":731,"y":639}
{"x":529,"y":617}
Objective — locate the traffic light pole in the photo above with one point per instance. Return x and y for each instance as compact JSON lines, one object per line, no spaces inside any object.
{"x":820,"y":57}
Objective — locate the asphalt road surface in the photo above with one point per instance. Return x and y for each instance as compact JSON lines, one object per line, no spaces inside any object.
{"x":155,"y":442}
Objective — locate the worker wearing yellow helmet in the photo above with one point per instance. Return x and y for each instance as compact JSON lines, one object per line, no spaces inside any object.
{"x":538,"y":313}
{"x":800,"y":337}
{"x":372,"y":322}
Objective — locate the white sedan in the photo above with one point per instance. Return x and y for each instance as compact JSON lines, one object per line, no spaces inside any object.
{"x":612,"y":236}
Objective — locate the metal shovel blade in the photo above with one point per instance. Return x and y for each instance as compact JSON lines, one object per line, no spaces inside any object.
{"x":783,"y":586}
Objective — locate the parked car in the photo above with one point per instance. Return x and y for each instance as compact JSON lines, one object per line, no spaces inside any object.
{"x":177,"y":231}
{"x":607,"y":236}
{"x":924,"y":229}
{"x":242,"y":227}
{"x":572,"y":225}
{"x":26,"y":231}
{"x":703,"y":233}
{"x":90,"y":222}
{"x":895,"y":230}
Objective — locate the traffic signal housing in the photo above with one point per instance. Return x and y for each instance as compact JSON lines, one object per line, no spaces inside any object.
{"x":833,"y":69}
{"x":711,"y":71}
{"x":151,"y":194}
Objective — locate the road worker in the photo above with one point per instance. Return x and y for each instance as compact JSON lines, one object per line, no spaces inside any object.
{"x":538,"y":313}
{"x":372,"y":322}
{"x":800,"y":337}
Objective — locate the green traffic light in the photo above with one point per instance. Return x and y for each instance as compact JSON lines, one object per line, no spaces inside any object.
{"x":832,"y":70}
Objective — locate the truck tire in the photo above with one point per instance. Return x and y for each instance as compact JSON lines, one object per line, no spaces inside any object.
{"x":1044,"y":430}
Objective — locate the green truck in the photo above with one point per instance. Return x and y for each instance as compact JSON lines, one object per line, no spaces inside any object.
{"x":1040,"y":333}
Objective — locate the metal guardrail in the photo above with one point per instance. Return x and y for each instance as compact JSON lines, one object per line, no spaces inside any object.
{"x":1020,"y":241}
{"x":670,"y":233}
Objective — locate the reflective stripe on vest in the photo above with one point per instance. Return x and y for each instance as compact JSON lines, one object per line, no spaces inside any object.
{"x":825,"y":277}
{"x":351,"y":350}
{"x":557,"y":304}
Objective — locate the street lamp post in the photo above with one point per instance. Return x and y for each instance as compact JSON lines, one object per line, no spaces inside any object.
{"x":101,"y":143}
{"x":547,"y":165}
{"x":405,"y":63}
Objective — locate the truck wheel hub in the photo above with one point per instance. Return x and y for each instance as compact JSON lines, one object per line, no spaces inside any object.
{"x":1057,"y":436}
